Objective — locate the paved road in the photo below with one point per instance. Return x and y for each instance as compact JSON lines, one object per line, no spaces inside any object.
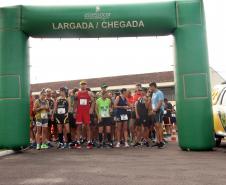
{"x":133,"y":166}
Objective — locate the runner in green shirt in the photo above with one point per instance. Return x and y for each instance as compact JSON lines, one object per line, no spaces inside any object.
{"x":103,"y":109}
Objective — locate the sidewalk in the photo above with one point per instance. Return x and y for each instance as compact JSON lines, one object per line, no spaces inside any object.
{"x":6,"y":152}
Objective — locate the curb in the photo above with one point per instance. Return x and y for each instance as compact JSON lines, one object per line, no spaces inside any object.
{"x":6,"y":152}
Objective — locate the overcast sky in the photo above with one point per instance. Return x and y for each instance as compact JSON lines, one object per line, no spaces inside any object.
{"x":68,"y":59}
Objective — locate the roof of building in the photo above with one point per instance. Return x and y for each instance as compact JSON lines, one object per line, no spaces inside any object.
{"x":159,"y":77}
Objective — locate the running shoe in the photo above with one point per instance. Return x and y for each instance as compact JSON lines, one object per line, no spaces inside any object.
{"x":161,"y":145}
{"x":155,"y":144}
{"x":66,"y":145}
{"x":44,"y":146}
{"x":117,"y":145}
{"x":78,"y":146}
{"x":38,"y":147}
{"x":145,"y":143}
{"x":60,"y":146}
{"x":89,"y":145}
{"x":126,"y":144}
{"x":50,"y":145}
{"x":100,"y":145}
{"x":33,"y":145}
{"x":110,"y":145}
{"x":137,"y":144}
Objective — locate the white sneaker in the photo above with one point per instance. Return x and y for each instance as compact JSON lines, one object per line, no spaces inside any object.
{"x":117,"y":145}
{"x":126,"y":145}
{"x":38,"y":147}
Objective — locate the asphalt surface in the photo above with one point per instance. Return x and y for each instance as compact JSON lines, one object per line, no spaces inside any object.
{"x":124,"y":166}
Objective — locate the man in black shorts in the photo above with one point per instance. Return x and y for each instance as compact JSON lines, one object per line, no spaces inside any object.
{"x":142,"y":107}
{"x":103,"y":107}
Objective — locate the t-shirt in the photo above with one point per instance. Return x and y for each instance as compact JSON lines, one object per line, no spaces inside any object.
{"x":167,"y":112}
{"x":136,"y":96}
{"x":156,"y":97}
{"x":103,"y":107}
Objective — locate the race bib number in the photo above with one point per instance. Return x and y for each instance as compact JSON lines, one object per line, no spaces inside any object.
{"x":83,"y":101}
{"x":165,"y":112}
{"x":173,"y":115}
{"x":44,"y":115}
{"x":105,"y":114}
{"x":124,"y":117}
{"x":61,"y":110}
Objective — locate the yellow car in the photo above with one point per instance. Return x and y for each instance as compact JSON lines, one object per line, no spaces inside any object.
{"x":219,"y":112}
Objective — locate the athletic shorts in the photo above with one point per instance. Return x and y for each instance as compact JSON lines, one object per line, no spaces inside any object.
{"x":166,"y":120}
{"x":121,"y":118}
{"x":105,"y":122}
{"x":151,"y":120}
{"x":61,"y":118}
{"x":173,"y":120}
{"x":50,"y":122}
{"x":133,"y":115}
{"x":42,"y":122}
{"x":158,"y":117}
{"x":71,"y":120}
{"x":82,"y":117}
{"x":143,"y":120}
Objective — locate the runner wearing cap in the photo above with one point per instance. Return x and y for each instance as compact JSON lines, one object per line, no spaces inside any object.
{"x":142,"y":107}
{"x":85,"y":107}
{"x":41,"y":108}
{"x":61,"y":111}
{"x":103,"y":108}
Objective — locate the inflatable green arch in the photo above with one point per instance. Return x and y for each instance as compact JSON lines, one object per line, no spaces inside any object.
{"x":183,"y":18}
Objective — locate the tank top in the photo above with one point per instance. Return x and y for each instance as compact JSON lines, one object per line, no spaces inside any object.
{"x":84,"y":100}
{"x":41,"y":114}
{"x":62,"y":106}
{"x":122,"y":102}
{"x":141,"y":108}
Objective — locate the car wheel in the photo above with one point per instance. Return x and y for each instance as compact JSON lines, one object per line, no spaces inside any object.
{"x":218,"y":141}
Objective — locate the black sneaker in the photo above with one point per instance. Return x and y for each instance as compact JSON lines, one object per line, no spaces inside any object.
{"x":136,"y":144}
{"x":161,"y":145}
{"x":146,"y":144}
{"x":100,"y":145}
{"x":111,"y":145}
{"x":155,"y":144}
{"x":60,"y":146}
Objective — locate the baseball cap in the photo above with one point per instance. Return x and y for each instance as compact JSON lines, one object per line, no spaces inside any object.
{"x":83,"y":82}
{"x":104,"y":85}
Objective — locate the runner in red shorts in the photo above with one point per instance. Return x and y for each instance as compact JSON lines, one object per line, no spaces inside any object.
{"x":84,"y":109}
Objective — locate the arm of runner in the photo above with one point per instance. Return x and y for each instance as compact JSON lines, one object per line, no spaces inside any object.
{"x":159,"y":105}
{"x":137,"y":115}
{"x":92,"y":103}
{"x":97,"y":112}
{"x":36,"y":107}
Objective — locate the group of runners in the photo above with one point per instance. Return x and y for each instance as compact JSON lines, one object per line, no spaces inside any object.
{"x":80,"y":117}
